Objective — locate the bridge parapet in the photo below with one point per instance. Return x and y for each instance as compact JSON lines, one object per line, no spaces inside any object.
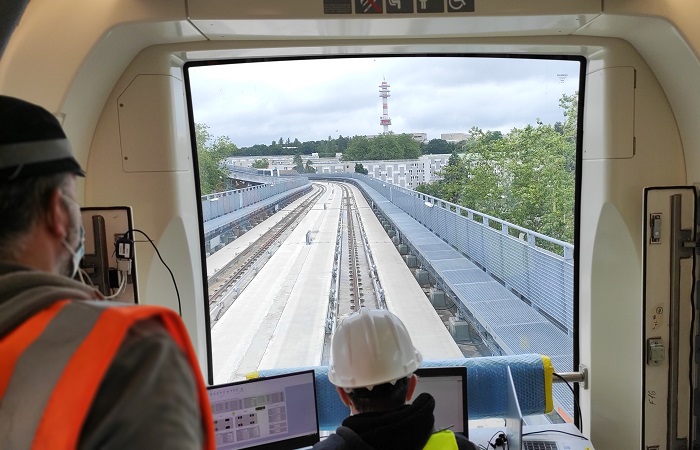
{"x":222,"y":203}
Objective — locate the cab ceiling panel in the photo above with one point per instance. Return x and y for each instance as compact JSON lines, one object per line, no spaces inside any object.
{"x":254,"y":19}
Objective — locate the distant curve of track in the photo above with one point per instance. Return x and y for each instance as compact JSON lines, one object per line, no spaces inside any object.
{"x":232,"y":279}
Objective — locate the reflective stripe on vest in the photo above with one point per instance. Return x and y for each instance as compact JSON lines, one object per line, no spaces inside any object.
{"x":442,"y":440}
{"x":57,"y":360}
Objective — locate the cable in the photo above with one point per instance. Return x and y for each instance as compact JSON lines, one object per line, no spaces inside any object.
{"x":576,"y":405}
{"x":555,"y":431}
{"x":177,"y":291}
{"x":122,"y":285}
{"x":499,"y":441}
{"x":85,"y":278}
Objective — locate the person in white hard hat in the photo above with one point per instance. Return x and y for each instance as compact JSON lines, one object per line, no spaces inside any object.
{"x":372,"y":365}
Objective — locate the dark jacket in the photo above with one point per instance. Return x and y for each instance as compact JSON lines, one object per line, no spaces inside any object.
{"x":148,"y":397}
{"x":407,"y":428}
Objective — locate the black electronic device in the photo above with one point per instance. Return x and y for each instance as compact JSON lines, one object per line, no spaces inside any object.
{"x":109,"y":260}
{"x":448,"y":386}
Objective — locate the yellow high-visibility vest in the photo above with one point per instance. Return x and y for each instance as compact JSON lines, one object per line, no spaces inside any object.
{"x":442,"y":440}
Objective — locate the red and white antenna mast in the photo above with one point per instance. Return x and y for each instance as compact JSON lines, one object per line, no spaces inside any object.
{"x":385,"y":121}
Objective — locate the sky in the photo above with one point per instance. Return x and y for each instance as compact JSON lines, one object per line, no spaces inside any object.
{"x":258,"y":102}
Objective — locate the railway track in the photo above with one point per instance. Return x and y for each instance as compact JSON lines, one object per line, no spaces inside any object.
{"x":227,"y":283}
{"x":356,"y":283}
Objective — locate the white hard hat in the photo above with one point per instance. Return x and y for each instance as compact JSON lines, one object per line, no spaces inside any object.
{"x":369,"y":348}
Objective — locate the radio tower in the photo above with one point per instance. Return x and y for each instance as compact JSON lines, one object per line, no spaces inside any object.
{"x":385,"y":121}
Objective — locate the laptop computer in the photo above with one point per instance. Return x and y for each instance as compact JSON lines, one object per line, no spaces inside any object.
{"x":271,"y":413}
{"x":544,"y":438}
{"x":448,"y":386}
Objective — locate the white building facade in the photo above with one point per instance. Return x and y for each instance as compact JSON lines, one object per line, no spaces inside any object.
{"x":454,"y":137}
{"x":407,"y":173}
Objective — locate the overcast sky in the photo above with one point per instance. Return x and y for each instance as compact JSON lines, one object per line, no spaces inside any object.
{"x":256,"y":103}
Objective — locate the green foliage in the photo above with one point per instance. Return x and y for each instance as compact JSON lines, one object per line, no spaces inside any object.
{"x":298,"y":163}
{"x":383,"y":147}
{"x":261,"y":163}
{"x":438,"y":146}
{"x":359,"y":168}
{"x":569,"y":103}
{"x":525,"y":177}
{"x":327,"y":147}
{"x":210,"y":158}
{"x":309,"y":168}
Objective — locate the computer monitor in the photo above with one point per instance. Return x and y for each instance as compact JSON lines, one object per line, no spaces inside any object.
{"x":448,"y":386}
{"x":514,"y":417}
{"x":271,"y":413}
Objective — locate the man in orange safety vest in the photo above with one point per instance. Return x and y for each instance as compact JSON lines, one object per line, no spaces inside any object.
{"x":77,"y":371}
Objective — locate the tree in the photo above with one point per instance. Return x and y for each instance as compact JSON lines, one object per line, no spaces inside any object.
{"x":224,"y":147}
{"x":298,"y":163}
{"x":383,"y":147}
{"x":261,"y":163}
{"x":210,"y":159}
{"x":359,"y":168}
{"x":436,"y":146}
{"x":525,"y":177}
{"x":342,"y":143}
{"x":409,"y":146}
{"x":569,"y":103}
{"x":309,"y":167}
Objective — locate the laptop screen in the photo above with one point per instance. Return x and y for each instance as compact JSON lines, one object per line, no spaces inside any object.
{"x":277,"y":412}
{"x":514,"y":418}
{"x":448,"y":386}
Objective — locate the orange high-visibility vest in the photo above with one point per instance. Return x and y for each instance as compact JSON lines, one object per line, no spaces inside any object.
{"x":73,"y":343}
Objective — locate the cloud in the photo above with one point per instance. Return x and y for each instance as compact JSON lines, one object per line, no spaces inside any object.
{"x":258,"y":102}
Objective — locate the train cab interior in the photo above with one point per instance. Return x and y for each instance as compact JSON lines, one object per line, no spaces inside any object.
{"x":116,"y":75}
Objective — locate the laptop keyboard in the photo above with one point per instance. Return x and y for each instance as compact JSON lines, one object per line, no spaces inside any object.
{"x":539,"y":445}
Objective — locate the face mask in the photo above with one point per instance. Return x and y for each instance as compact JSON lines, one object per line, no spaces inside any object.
{"x":79,"y":252}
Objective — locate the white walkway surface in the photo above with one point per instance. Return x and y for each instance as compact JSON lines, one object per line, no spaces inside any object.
{"x":279,"y":319}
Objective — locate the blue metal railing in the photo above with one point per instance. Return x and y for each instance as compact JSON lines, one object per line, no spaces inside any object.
{"x":221,"y":203}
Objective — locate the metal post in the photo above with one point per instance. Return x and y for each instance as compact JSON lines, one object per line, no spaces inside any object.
{"x":678,"y":252}
{"x":568,"y":254}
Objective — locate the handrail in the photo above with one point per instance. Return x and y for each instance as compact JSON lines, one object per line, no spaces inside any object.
{"x":379,"y":185}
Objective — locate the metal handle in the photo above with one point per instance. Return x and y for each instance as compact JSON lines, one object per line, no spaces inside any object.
{"x":678,"y":251}
{"x":580,"y":377}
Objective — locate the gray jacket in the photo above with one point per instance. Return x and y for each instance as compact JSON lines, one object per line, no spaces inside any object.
{"x":148,"y":397}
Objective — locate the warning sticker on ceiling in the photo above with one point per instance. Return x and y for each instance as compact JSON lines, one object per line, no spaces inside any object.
{"x":374,"y":7}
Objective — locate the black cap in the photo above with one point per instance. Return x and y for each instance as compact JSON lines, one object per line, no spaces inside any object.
{"x":32,"y":142}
